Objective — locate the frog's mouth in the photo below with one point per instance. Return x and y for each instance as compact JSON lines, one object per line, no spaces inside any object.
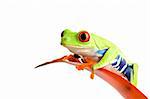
{"x":84,"y":52}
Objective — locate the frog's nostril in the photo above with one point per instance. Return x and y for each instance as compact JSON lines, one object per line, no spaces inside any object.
{"x":62,"y":33}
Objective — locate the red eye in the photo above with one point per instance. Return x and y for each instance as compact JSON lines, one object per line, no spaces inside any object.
{"x":84,"y":36}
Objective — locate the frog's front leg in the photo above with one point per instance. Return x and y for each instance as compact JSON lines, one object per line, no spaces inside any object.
{"x":89,"y":63}
{"x":88,"y":66}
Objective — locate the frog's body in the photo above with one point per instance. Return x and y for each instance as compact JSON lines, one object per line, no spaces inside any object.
{"x":101,"y":50}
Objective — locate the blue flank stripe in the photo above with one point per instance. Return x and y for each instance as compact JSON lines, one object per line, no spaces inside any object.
{"x":126,"y":70}
{"x":101,"y":52}
{"x":122,"y":64}
{"x":114,"y":63}
{"x":117,"y":62}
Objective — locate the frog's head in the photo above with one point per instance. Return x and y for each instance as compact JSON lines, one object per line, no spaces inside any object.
{"x":80,"y":43}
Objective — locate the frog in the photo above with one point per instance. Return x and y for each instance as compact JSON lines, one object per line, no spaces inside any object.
{"x":101,"y":50}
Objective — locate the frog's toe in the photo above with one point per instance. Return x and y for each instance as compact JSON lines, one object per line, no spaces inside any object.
{"x":79,"y":67}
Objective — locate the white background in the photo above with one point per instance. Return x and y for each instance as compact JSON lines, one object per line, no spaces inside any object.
{"x":30,"y":35}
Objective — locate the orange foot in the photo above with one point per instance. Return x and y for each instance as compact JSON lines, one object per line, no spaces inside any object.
{"x":83,"y":66}
{"x":92,"y":75}
{"x":86,"y":65}
{"x":89,"y":63}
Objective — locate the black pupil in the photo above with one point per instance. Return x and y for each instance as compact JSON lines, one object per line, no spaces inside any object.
{"x":83,"y":36}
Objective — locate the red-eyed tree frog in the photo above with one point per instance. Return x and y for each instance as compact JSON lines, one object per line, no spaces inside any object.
{"x":84,"y":44}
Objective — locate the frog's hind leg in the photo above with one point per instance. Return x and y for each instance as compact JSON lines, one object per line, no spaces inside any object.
{"x":135,"y":74}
